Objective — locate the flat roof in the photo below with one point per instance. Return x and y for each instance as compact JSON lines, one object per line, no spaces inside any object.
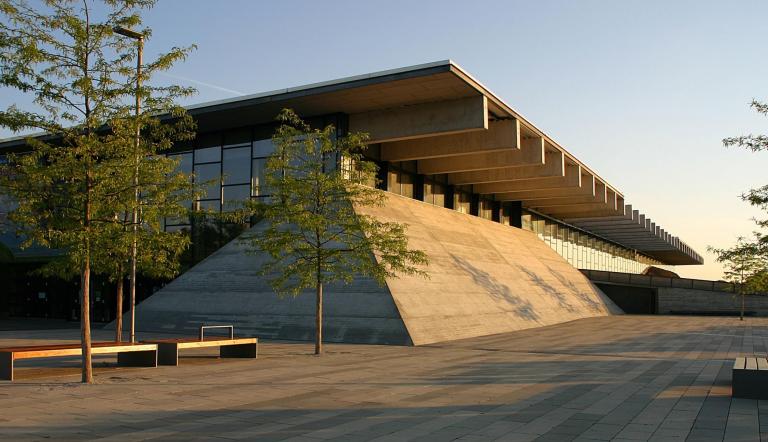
{"x":435,"y":81}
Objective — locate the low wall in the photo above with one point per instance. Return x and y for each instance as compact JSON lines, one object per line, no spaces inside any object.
{"x":676,"y":300}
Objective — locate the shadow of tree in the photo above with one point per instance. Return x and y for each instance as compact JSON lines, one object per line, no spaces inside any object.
{"x":561,"y":298}
{"x":584,"y":297}
{"x":522,"y":307}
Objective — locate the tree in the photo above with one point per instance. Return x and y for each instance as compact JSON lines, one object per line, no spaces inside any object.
{"x":74,"y":183}
{"x":757,"y":197}
{"x":746,"y":267}
{"x":747,"y":261}
{"x":165,"y":193}
{"x":314,"y":236}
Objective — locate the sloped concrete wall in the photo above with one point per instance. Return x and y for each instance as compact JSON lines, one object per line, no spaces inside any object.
{"x":225,"y":289}
{"x":485,"y":278}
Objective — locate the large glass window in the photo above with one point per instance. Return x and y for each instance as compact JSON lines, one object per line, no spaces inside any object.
{"x":263,"y":148}
{"x":235,"y":195}
{"x":208,"y":205}
{"x":400,"y":182}
{"x":434,"y":192}
{"x":236,"y":167}
{"x":461,"y":201}
{"x":208,"y":155}
{"x":258,"y":181}
{"x":583,"y":250}
{"x":406,"y":184}
{"x":486,"y":209}
{"x":185,"y":161}
{"x":210,"y":174}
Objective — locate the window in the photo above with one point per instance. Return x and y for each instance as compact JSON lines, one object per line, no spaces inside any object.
{"x":177,"y":228}
{"x":185,"y":161}
{"x":258,"y":181}
{"x":210,"y":174}
{"x":434,"y":193}
{"x":400,"y":182}
{"x":208,"y":155}
{"x":236,"y":167}
{"x":208,"y":205}
{"x":235,"y":195}
{"x":486,"y":209}
{"x":406,"y":184}
{"x":263,"y":148}
{"x":461,"y":201}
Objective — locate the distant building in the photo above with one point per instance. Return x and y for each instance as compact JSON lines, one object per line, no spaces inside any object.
{"x":488,"y":195}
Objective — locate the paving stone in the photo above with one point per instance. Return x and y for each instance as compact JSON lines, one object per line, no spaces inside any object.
{"x":612,"y":378}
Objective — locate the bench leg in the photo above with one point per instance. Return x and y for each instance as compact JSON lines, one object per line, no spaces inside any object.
{"x":168,"y":354}
{"x":137,"y":358}
{"x":6,"y":366}
{"x":238,"y":351}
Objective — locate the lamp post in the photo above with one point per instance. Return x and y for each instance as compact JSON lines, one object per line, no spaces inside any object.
{"x":135,"y":215}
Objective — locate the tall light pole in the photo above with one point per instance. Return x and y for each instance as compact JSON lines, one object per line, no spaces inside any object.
{"x":135,"y":215}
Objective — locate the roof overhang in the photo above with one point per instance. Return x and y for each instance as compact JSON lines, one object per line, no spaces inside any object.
{"x":449,"y":123}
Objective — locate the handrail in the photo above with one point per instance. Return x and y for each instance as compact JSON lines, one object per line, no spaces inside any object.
{"x":230,"y":327}
{"x":658,"y":281}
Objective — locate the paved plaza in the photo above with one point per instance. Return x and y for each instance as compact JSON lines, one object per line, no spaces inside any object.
{"x":610,"y":378}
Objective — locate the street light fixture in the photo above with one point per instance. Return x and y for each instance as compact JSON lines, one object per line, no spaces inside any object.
{"x":135,"y":215}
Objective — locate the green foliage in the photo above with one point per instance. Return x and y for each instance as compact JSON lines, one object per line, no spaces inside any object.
{"x":746,"y":264}
{"x":757,"y":197}
{"x":314,"y":235}
{"x":75,"y":187}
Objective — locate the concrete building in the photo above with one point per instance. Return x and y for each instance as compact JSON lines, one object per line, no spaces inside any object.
{"x":506,"y":214}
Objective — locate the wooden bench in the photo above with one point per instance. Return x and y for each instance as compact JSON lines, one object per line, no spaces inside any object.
{"x":128,"y":355}
{"x":750,"y":378}
{"x":168,"y":349}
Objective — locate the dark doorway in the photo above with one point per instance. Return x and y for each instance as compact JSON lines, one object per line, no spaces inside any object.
{"x":633,"y":300}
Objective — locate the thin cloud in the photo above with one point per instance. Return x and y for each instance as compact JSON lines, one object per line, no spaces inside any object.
{"x":202,"y":83}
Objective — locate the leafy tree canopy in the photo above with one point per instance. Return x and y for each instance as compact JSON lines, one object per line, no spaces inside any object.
{"x":314,"y":235}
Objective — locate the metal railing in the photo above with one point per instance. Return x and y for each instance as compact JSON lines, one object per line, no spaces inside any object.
{"x":658,"y":281}
{"x":230,"y":327}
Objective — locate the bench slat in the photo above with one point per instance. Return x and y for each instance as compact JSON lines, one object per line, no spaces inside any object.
{"x":62,"y":350}
{"x":751,"y":364}
{"x":217,"y":343}
{"x":739,"y":364}
{"x":762,"y":364}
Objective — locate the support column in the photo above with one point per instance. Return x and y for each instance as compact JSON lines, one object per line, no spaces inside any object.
{"x":449,"y":192}
{"x":418,"y":187}
{"x":381,"y":175}
{"x":516,"y":214}
{"x":474,"y":204}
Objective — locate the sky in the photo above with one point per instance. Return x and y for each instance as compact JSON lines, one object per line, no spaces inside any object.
{"x":643,"y":92}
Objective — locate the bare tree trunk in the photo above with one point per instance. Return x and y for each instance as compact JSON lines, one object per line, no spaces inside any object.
{"x":319,"y":320}
{"x":85,"y":321}
{"x":119,"y":309}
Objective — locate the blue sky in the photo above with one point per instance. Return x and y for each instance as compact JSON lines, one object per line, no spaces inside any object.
{"x":641,"y":91}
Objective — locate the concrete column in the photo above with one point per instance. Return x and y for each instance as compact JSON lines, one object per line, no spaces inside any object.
{"x":449,"y":191}
{"x":418,"y":187}
{"x":496,"y":211}
{"x":474,"y":204}
{"x":516,"y":214}
{"x":381,"y":175}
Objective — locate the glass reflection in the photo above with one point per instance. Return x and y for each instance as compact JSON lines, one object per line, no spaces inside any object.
{"x":210,"y":174}
{"x":236,"y":167}
{"x":208,"y":155}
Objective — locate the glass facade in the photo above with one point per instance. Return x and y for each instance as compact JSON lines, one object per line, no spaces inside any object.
{"x":233,"y":167}
{"x":584,"y":250}
{"x":434,"y":192}
{"x":229,"y":174}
